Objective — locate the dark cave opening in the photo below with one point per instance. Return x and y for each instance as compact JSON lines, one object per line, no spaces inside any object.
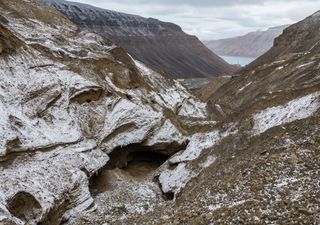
{"x":134,"y":162}
{"x":137,"y":160}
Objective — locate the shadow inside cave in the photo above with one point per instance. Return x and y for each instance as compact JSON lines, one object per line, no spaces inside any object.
{"x":134,"y":162}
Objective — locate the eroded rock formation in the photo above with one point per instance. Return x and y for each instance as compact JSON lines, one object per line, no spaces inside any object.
{"x":72,"y":104}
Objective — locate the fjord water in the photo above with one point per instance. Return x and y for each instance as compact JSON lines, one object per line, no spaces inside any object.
{"x":243,"y":61}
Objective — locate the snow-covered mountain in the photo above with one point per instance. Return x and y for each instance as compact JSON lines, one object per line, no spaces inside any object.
{"x":158,"y":44}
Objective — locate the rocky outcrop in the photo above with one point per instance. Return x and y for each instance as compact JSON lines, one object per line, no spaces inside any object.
{"x":253,"y":44}
{"x":158,"y":44}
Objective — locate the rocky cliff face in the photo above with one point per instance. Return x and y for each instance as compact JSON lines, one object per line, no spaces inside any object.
{"x":158,"y":44}
{"x":89,"y":135}
{"x":253,"y":44}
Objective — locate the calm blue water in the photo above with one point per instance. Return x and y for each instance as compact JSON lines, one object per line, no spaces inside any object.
{"x":238,"y":60}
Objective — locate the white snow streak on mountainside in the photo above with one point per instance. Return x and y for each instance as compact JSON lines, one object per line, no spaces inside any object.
{"x":296,"y":109}
{"x":177,"y":98}
{"x":174,"y":180}
{"x":200,"y":142}
{"x":244,"y":87}
{"x":304,"y":65}
{"x":209,"y":161}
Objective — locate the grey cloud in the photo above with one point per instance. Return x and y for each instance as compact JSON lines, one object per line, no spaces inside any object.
{"x":196,"y":3}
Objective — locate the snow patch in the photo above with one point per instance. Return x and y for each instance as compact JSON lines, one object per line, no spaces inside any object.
{"x":244,"y":87}
{"x":167,"y":133}
{"x":304,"y":65}
{"x":209,"y":161}
{"x":296,"y":109}
{"x":284,"y":182}
{"x":280,"y":68}
{"x":199,"y":142}
{"x":176,"y":179}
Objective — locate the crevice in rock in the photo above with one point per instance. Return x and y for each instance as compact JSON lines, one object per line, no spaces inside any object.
{"x":50,"y":102}
{"x":89,"y":95}
{"x":122,"y":129}
{"x":169,"y":196}
{"x":25,"y":206}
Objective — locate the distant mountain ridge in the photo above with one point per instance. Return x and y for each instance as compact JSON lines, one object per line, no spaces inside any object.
{"x":161,"y":45}
{"x":252,"y":44}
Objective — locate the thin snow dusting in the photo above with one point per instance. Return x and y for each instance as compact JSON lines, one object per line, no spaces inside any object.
{"x":135,"y":120}
{"x":220,"y":205}
{"x":296,"y":109}
{"x":199,"y":142}
{"x":209,"y":161}
{"x":23,"y":101}
{"x":175,"y":96}
{"x":174,"y":180}
{"x":33,"y":176}
{"x":284,"y":182}
{"x":146,"y":195}
{"x":167,"y":133}
{"x":70,"y":139}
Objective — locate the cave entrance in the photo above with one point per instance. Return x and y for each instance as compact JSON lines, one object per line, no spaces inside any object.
{"x":138,"y":161}
{"x":132,"y":162}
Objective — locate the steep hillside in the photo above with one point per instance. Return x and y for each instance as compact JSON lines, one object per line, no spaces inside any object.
{"x":90,"y":136}
{"x":290,"y":67}
{"x":253,"y":44}
{"x":158,"y":44}
{"x":267,"y":172}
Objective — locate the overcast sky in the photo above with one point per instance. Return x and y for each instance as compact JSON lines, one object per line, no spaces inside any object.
{"x":215,"y":19}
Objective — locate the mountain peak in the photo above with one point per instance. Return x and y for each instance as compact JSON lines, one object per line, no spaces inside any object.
{"x":161,"y":45}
